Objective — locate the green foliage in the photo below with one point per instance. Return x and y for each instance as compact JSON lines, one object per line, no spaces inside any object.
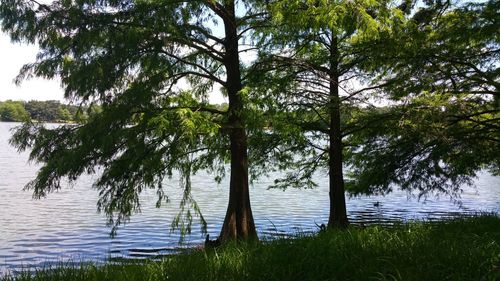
{"x":149,"y":146}
{"x":460,"y":249}
{"x":316,"y":59}
{"x":322,"y":68}
{"x":13,"y":111}
{"x":64,"y":114}
{"x":130,"y":62}
{"x":442,"y":73}
{"x":45,"y":111}
{"x":434,"y":66}
{"x":425,"y":145}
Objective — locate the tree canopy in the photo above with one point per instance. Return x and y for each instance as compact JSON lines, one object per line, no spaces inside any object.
{"x":151,"y":66}
{"x":316,"y":58}
{"x":13,"y":111}
{"x":45,"y":111}
{"x":442,"y":74}
{"x":379,"y":93}
{"x":406,"y":91}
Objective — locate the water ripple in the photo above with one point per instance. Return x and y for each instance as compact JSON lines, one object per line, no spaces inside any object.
{"x":65,"y":227}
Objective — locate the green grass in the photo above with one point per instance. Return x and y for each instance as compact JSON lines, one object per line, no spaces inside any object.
{"x":459,"y":249}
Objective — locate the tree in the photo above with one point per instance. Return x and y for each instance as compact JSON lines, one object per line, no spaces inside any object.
{"x":64,"y":114}
{"x":44,"y":111}
{"x":13,"y":111}
{"x":315,"y":58}
{"x":442,"y":72}
{"x":133,"y":58}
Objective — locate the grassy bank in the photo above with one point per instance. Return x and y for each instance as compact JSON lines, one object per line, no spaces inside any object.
{"x":461,"y":249}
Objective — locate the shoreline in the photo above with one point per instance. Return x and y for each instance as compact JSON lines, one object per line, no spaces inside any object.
{"x":455,"y":249}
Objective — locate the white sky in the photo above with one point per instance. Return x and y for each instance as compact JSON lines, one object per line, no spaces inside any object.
{"x":12,"y":58}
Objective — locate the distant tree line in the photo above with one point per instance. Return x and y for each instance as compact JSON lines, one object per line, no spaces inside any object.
{"x":44,"y":111}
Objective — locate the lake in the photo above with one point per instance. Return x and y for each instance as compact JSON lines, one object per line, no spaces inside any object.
{"x":65,"y":227}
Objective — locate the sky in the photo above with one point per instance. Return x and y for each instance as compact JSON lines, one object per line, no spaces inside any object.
{"x":12,"y":58}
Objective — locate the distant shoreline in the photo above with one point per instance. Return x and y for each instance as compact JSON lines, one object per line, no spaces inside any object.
{"x":45,"y":111}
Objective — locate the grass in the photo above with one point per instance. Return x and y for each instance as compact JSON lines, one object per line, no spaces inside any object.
{"x":459,"y":249}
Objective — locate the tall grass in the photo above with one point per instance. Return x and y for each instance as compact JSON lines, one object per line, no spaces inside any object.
{"x":459,"y":249}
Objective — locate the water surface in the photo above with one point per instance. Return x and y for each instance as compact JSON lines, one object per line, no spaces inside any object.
{"x":66,"y":227}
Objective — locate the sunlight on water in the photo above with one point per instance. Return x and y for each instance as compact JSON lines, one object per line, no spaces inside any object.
{"x":65,"y":225}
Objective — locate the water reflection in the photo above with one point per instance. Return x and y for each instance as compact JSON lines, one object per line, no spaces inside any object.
{"x":65,"y":225}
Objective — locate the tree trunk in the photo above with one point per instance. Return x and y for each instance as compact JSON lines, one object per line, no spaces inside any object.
{"x":238,"y":223}
{"x":338,"y":212}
